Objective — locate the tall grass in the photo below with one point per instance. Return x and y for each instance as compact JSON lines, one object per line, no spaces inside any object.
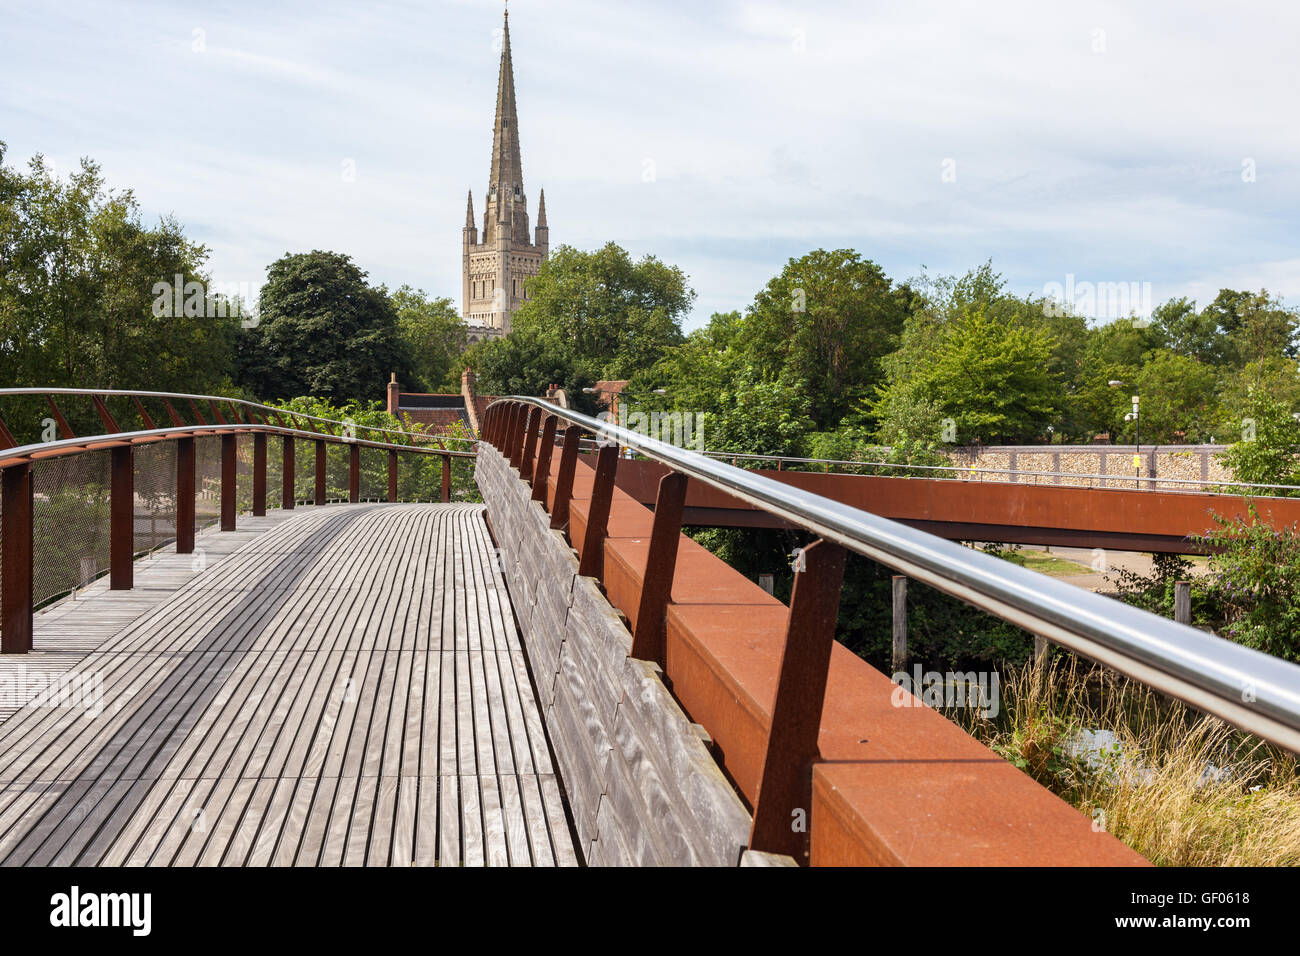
{"x":1181,"y":788}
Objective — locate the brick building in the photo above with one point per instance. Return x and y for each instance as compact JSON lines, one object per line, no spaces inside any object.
{"x":439,"y":413}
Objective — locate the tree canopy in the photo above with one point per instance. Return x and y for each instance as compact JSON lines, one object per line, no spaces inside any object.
{"x":324,"y":331}
{"x":588,"y":316}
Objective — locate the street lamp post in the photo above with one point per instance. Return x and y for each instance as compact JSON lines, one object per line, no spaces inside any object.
{"x":1134,"y":417}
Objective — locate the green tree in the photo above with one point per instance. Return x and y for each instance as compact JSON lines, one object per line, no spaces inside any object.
{"x":78,"y":270}
{"x":324,"y":331}
{"x":825,"y":324}
{"x":1270,"y":438}
{"x":991,"y":379}
{"x":1255,"y":580}
{"x":588,"y":316}
{"x":1179,"y":399}
{"x":434,"y":336}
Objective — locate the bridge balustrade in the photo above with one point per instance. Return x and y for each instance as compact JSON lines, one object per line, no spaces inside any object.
{"x":768,"y":728}
{"x":73,"y":507}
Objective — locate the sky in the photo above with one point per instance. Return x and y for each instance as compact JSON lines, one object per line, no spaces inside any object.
{"x":1151,"y":143}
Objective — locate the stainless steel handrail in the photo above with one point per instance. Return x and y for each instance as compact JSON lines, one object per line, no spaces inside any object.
{"x":134,"y":393}
{"x":1251,"y":690}
{"x":72,"y":446}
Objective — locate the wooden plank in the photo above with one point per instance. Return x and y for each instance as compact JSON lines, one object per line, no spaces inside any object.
{"x":338,"y":687}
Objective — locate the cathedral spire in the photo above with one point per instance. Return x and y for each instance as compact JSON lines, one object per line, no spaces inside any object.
{"x":469,"y":210}
{"x":541,"y":211}
{"x":507,"y":169}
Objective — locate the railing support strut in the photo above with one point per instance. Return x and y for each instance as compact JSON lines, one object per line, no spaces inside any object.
{"x":185,"y":473}
{"x":16,"y":570}
{"x":121,"y":527}
{"x":783,"y":806}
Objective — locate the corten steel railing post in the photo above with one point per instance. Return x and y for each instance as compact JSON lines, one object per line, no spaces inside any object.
{"x":542,"y":471}
{"x":530,"y":444}
{"x":229,"y":478}
{"x":657,"y":583}
{"x":16,"y":535}
{"x":185,"y":474}
{"x":508,"y":435}
{"x":785,"y":787}
{"x":501,"y":413}
{"x":564,"y":480}
{"x":320,"y":471}
{"x":259,"y":474}
{"x":354,"y":473}
{"x":602,"y":494}
{"x":446,"y":478}
{"x":121,"y":518}
{"x":288,"y":476}
{"x":392,"y":475}
{"x":526,"y":415}
{"x":514,"y":440}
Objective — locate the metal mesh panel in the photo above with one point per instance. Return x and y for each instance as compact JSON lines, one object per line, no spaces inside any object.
{"x":155,"y":495}
{"x":304,"y":459}
{"x":70,"y":523}
{"x":336,"y":472}
{"x":207,"y":481}
{"x":244,"y":474}
{"x":419,"y":477}
{"x":274,"y":470}
{"x":374,"y":474}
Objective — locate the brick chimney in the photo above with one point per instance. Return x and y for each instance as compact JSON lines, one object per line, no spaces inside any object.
{"x":467,"y":393}
{"x":394,"y":392}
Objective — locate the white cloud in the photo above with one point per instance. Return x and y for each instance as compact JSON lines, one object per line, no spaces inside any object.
{"x":775,"y":127}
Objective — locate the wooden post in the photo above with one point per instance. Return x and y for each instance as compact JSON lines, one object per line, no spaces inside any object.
{"x":320,"y":471}
{"x":185,"y":473}
{"x":602,"y":494}
{"x":1041,"y":647}
{"x":900,"y":621}
{"x":354,"y":473}
{"x":657,"y":582}
{"x":392,"y":475}
{"x":784,"y":797}
{"x":288,"y":480}
{"x":121,"y":527}
{"x":446,"y":478}
{"x":1183,"y":602}
{"x":542,"y":473}
{"x":16,"y":568}
{"x":259,"y":474}
{"x":564,"y":480}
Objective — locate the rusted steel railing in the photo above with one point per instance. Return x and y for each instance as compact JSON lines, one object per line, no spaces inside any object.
{"x":231,"y":419}
{"x":1255,"y":692}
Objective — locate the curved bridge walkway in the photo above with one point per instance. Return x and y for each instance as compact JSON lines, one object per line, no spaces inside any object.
{"x":346,"y":687}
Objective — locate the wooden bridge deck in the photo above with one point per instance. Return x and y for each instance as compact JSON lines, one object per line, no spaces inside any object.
{"x":345,"y":687}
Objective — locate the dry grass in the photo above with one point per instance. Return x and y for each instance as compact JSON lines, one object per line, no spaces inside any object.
{"x":1154,"y":789}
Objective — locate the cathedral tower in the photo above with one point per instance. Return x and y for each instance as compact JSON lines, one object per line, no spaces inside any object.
{"x":499,"y":261}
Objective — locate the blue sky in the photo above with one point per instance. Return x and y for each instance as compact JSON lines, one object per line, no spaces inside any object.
{"x":1101,"y":140}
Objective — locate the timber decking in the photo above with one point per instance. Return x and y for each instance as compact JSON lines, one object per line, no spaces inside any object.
{"x":347,"y":687}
